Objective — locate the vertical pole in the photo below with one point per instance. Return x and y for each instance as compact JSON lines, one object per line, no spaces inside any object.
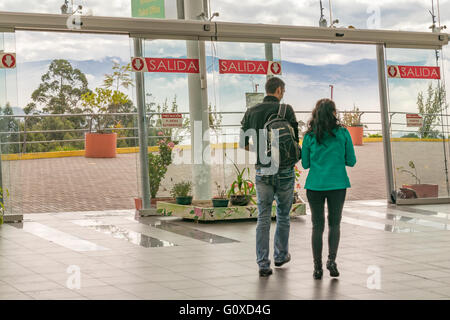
{"x":385,"y":122}
{"x":180,"y":9}
{"x":198,"y":109}
{"x":269,"y":55}
{"x":142,"y":127}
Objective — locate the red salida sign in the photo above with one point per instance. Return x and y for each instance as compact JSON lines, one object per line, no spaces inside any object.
{"x":414,"y":72}
{"x":249,"y":67}
{"x":165,"y":65}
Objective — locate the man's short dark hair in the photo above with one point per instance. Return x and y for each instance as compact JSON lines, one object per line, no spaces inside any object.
{"x":273,"y":84}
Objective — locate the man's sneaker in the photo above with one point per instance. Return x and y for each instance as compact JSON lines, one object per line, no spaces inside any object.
{"x":265,"y":272}
{"x":288,"y":258}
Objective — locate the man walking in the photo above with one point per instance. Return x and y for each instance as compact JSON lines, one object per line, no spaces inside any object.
{"x":272,"y":184}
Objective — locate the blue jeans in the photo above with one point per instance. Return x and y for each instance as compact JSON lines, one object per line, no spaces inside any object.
{"x":281,"y":188}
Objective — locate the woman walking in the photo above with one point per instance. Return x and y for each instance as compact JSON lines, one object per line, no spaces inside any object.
{"x":326,"y":150}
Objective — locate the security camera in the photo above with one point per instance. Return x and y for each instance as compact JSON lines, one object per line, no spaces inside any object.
{"x":215,"y":14}
{"x":202,"y":16}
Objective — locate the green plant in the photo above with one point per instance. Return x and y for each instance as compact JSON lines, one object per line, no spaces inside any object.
{"x":413,"y":174}
{"x":241,"y":186}
{"x":353,"y":118}
{"x":158,"y":163}
{"x":431,"y":110}
{"x":2,"y":205}
{"x":221,"y":192}
{"x":181,"y":189}
{"x":376,"y":135}
{"x":101,"y":102}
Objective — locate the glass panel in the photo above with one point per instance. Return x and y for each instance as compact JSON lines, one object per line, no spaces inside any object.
{"x":230,"y":94}
{"x":419,"y":123}
{"x":167,"y":93}
{"x":347,"y":73}
{"x":10,"y":125}
{"x":57,"y":177}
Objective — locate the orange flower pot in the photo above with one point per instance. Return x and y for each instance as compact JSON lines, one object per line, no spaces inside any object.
{"x":357,"y":135}
{"x":138,"y":203}
{"x":100,"y":145}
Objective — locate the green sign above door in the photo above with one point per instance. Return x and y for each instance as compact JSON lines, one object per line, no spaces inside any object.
{"x":147,"y":9}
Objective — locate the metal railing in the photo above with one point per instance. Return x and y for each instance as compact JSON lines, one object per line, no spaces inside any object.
{"x":372,"y":126}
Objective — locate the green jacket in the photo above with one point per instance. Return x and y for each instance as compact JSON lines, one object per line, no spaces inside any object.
{"x":327,"y":161}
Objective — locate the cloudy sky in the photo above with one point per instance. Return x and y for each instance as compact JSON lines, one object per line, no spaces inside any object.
{"x":407,"y":15}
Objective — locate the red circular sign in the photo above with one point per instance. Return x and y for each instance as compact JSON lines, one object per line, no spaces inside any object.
{"x":392,"y":71}
{"x":275,"y":67}
{"x":138,"y":64}
{"x":9,"y":61}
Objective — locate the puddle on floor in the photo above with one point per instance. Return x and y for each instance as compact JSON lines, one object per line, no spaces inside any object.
{"x":61,"y":238}
{"x":191,"y":233}
{"x":124,"y":234}
{"x":376,"y":225}
{"x":392,"y":216}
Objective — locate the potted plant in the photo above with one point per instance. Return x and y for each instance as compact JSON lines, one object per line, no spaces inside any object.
{"x":2,"y":205}
{"x":420,"y":189}
{"x":241,"y":190}
{"x":297,"y":186}
{"x":221,"y":200}
{"x":158,"y":164}
{"x":181,"y":191}
{"x":352,"y":121}
{"x":101,"y":143}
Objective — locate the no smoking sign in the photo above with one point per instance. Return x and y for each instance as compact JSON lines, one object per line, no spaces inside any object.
{"x":7,"y":60}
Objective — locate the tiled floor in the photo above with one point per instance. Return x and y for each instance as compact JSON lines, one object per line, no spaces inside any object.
{"x":385,"y":253}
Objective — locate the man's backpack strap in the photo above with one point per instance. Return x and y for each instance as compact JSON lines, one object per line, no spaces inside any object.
{"x":282,"y":111}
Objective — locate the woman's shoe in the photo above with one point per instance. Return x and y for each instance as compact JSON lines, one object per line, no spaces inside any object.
{"x":332,"y":267}
{"x":318,"y":272}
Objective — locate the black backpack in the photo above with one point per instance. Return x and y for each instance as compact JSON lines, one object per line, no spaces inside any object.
{"x":289,"y":149}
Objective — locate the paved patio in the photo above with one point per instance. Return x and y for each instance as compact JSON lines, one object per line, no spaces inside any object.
{"x":385,"y":253}
{"x":82,"y":184}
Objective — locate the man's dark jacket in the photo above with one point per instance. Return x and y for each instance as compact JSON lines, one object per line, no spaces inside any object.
{"x":256,"y":117}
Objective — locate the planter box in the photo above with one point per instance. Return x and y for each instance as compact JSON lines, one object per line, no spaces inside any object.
{"x":100,"y":145}
{"x":424,"y":190}
{"x":201,"y":212}
{"x":357,"y":135}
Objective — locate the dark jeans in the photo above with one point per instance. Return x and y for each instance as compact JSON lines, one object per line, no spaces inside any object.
{"x":335,"y":202}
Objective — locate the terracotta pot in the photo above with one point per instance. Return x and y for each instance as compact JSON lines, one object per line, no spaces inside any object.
{"x":138,"y":203}
{"x":100,"y":145}
{"x":357,"y":135}
{"x":424,"y":190}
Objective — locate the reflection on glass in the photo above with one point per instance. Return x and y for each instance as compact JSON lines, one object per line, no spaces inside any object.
{"x":10,"y":127}
{"x":419,"y":126}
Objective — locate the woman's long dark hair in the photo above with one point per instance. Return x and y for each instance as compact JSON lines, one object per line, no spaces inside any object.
{"x":323,"y":119}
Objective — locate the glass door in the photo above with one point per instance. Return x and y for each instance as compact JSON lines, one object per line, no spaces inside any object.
{"x":10,"y":124}
{"x":419,"y":123}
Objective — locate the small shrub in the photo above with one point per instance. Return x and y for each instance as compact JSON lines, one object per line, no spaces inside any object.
{"x":181,"y":189}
